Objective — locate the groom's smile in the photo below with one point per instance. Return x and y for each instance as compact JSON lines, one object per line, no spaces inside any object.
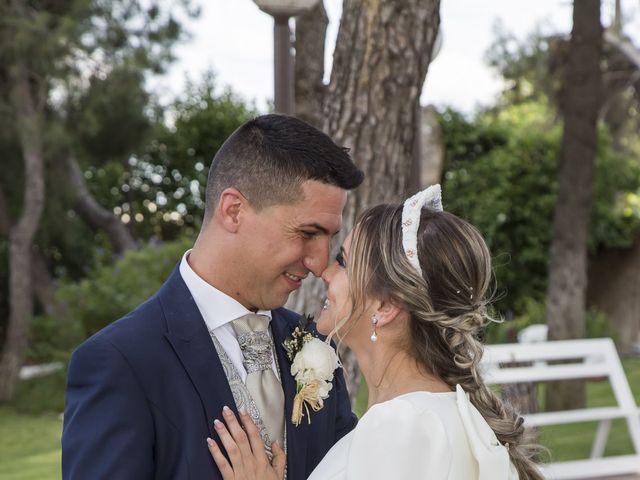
{"x":294,"y":280}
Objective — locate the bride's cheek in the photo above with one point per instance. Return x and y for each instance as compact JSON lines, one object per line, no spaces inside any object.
{"x":321,"y":322}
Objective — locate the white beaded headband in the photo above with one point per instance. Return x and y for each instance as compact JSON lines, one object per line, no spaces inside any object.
{"x":431,"y":198}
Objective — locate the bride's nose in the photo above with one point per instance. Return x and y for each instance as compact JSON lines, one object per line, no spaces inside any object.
{"x":327,"y":274}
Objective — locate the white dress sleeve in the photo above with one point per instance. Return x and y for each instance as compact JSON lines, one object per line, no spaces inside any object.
{"x":394,"y":440}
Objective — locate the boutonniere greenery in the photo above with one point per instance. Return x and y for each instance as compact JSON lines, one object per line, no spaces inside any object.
{"x":313,"y":364}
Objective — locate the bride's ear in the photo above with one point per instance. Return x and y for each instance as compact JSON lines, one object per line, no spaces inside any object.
{"x":387,"y":312}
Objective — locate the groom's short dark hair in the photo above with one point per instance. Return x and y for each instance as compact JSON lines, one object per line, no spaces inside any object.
{"x":268,"y":158}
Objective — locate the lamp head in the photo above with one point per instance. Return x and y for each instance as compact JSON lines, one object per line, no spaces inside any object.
{"x":286,"y":8}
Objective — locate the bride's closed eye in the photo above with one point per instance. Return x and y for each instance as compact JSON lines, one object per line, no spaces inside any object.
{"x":340,"y":260}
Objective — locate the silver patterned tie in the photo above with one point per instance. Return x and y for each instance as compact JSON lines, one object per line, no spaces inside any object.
{"x":262,"y":383}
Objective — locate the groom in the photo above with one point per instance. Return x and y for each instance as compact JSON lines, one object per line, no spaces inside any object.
{"x":143,"y":393}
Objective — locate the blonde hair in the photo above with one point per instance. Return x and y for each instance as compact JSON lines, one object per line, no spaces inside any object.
{"x":447,"y":306}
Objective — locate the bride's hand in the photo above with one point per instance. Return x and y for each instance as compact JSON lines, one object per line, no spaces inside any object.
{"x":245,"y":449}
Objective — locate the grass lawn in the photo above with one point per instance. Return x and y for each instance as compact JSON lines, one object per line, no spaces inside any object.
{"x":573,"y":441}
{"x":29,"y":445}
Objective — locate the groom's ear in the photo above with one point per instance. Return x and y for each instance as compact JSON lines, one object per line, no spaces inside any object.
{"x":387,"y":312}
{"x":230,"y":207}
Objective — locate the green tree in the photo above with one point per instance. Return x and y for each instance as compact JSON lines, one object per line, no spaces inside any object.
{"x":50,"y":52}
{"x":580,"y":106}
{"x":159,"y":190}
{"x":501,"y":173}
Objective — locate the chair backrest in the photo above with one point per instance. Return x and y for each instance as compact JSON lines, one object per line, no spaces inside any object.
{"x":534,"y":333}
{"x":591,"y":358}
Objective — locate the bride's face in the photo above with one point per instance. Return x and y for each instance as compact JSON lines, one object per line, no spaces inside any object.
{"x":337,"y":306}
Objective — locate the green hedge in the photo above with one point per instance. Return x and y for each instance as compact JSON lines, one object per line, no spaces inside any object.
{"x":501,"y":174}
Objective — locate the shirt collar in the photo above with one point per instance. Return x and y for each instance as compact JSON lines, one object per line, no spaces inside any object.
{"x":217,"y":308}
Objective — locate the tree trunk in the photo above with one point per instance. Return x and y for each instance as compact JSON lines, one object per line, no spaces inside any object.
{"x":382,"y":55}
{"x":5,"y":216}
{"x":28,"y":116}
{"x":568,"y":257}
{"x":95,"y":215}
{"x":311,"y":29}
{"x":381,"y":59}
{"x":614,"y":283}
{"x":44,"y":286}
{"x":431,"y":147}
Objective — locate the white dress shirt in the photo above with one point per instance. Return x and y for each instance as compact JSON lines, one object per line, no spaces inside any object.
{"x":218,"y":310}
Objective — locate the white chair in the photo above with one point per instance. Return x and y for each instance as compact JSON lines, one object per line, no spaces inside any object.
{"x":597,"y":358}
{"x":535,"y":333}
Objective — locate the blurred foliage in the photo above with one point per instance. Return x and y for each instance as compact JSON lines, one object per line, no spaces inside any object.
{"x":113,"y":289}
{"x":159,"y":192}
{"x":534,"y":312}
{"x":41,"y":394}
{"x":143,"y":160}
{"x":88,"y":61}
{"x":110,"y":119}
{"x":68,"y":38}
{"x":500,"y":173}
{"x":51,"y":339}
{"x":4,"y":286}
{"x":531,"y":68}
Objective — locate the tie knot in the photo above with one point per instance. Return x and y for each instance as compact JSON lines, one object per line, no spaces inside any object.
{"x":251,"y":322}
{"x":254,"y":341}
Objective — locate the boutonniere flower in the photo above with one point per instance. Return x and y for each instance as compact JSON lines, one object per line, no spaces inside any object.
{"x":313,"y":364}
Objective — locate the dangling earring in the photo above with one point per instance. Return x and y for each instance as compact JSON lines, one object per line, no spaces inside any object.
{"x":374,"y":335}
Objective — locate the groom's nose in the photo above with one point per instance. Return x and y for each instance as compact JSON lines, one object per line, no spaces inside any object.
{"x":316,"y":255}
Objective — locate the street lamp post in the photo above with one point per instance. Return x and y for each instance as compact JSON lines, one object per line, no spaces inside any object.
{"x":282,"y":65}
{"x":281,"y":11}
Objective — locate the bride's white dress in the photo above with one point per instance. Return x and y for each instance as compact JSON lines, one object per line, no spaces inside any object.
{"x":419,"y":435}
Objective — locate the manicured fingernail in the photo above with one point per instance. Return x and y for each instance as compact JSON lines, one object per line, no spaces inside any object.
{"x":243,"y":412}
{"x":217,"y":424}
{"x":210,"y":442}
{"x":226,"y":410}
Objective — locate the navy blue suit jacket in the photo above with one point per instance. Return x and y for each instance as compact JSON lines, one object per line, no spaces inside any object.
{"x":142,"y":395}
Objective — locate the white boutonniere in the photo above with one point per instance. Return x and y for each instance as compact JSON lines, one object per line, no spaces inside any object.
{"x":313,"y":364}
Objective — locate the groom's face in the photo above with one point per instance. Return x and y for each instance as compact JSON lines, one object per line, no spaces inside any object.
{"x":284,"y":243}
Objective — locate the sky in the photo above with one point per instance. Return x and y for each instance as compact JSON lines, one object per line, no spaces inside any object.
{"x":234,"y":38}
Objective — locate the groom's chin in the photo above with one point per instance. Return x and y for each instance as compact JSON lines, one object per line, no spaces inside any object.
{"x":275,"y":301}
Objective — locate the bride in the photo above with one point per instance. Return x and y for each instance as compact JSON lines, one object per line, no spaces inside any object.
{"x":407,"y":294}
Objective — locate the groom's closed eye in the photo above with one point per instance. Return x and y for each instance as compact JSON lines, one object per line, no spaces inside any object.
{"x":315,"y":229}
{"x":309,"y":234}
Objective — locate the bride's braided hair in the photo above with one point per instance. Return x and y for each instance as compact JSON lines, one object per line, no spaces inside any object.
{"x":447,"y":306}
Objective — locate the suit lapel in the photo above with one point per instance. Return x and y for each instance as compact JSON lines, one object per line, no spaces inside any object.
{"x":188,"y":335}
{"x":296,"y":436}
